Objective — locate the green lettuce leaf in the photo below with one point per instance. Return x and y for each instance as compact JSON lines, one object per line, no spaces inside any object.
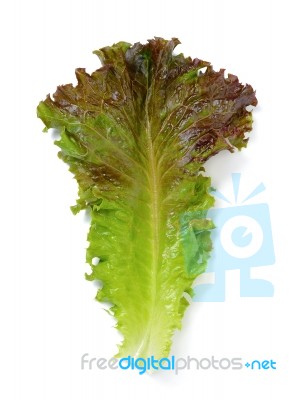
{"x":135,"y":134}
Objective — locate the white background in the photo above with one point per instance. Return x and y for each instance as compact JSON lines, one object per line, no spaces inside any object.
{"x":48,"y":315}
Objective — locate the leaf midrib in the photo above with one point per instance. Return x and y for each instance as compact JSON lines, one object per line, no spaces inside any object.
{"x":155,"y":202}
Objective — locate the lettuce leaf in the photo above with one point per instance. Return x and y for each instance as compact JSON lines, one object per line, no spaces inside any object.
{"x":135,"y":134}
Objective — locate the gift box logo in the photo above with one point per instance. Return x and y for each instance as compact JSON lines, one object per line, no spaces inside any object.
{"x":242,"y":240}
